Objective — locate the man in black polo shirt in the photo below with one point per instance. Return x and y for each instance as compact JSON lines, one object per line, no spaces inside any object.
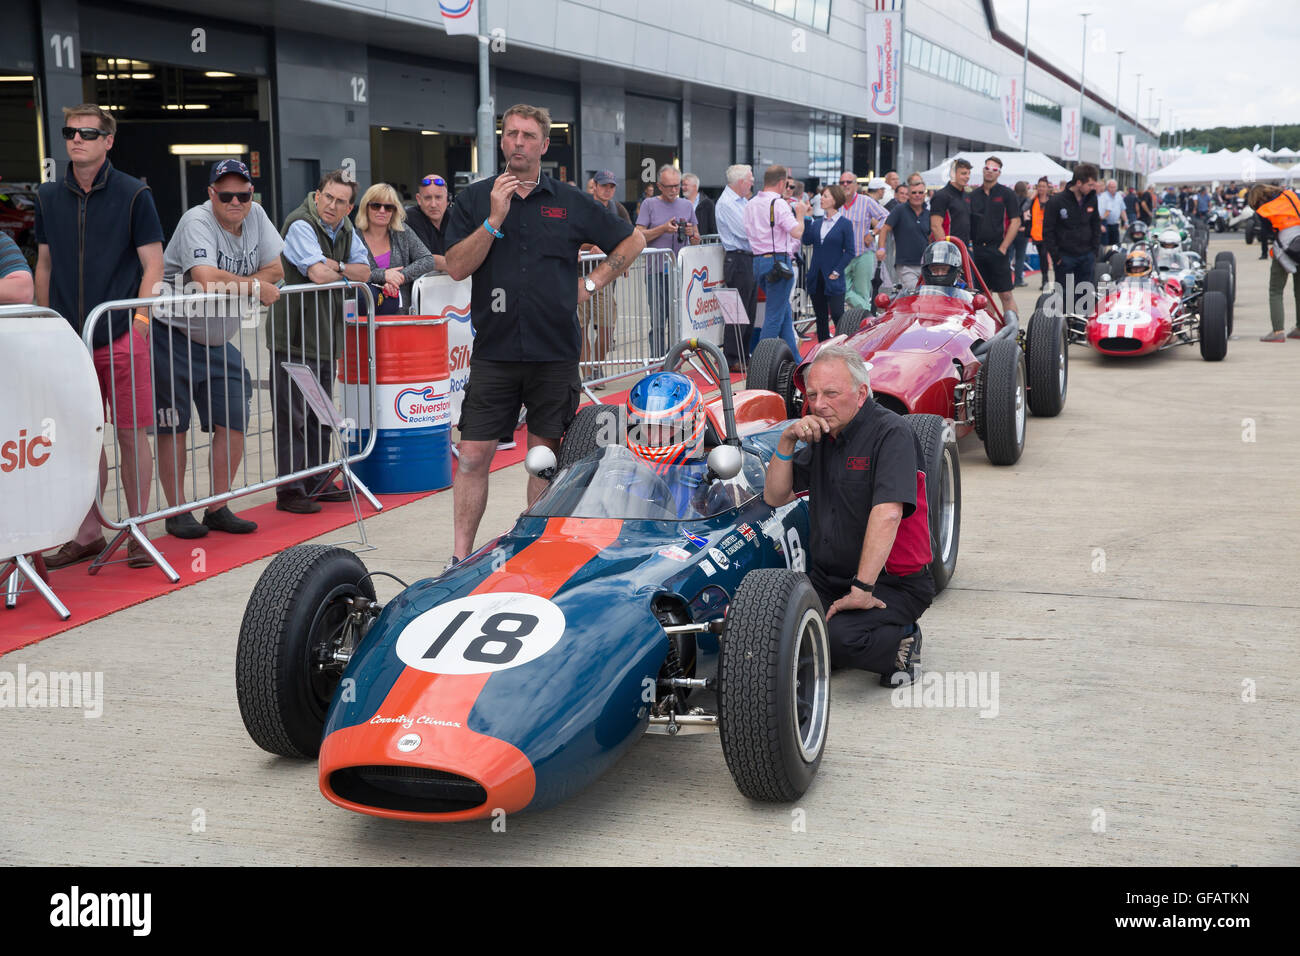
{"x":909,"y":225}
{"x":869,"y":562}
{"x":995,"y":219}
{"x":1071,"y":234}
{"x":518,"y":234}
{"x":950,"y":206}
{"x":427,"y":218}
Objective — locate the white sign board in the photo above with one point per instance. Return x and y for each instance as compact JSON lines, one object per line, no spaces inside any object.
{"x":51,"y":433}
{"x":440,"y":296}
{"x":1070,"y":132}
{"x":701,"y":270}
{"x":884,"y":56}
{"x":1013,"y":106}
{"x":1108,"y":147}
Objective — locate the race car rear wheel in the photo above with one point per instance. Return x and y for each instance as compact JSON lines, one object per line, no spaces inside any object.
{"x":1048,"y":359}
{"x":593,"y":427}
{"x":774,"y":669}
{"x":1214,"y":326}
{"x":1219,"y":279}
{"x":296,"y":618}
{"x":771,"y":368}
{"x":1002,"y":405}
{"x":943,"y":491}
{"x":850,"y":321}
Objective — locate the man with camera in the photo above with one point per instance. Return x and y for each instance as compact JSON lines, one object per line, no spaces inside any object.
{"x":667,"y":221}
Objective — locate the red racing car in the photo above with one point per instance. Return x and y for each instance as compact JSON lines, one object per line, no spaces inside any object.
{"x":1142,"y":314}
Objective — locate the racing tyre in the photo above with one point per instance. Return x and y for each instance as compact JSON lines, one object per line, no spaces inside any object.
{"x":943,"y":491}
{"x":1214,"y":326}
{"x":1001,"y":384}
{"x":850,"y":321}
{"x":1228,"y":260}
{"x":1050,"y":303}
{"x":1048,"y":360}
{"x":1219,"y":279}
{"x":591,"y":428}
{"x":285,"y":675}
{"x":774,"y":670}
{"x":771,"y":368}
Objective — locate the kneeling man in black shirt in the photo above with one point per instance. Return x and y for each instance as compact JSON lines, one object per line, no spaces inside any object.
{"x":869,"y":560}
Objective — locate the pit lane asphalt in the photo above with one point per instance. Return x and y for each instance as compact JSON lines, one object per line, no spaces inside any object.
{"x":1130,"y":581}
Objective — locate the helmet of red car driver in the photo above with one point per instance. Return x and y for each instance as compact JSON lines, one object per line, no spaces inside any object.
{"x":665,"y":420}
{"x":1137,"y":263}
{"x":1170,"y":239}
{"x":940,"y":264}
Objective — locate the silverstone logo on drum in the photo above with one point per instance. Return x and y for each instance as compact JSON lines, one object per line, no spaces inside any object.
{"x":426,"y":405}
{"x":77,"y":909}
{"x":702,"y":306}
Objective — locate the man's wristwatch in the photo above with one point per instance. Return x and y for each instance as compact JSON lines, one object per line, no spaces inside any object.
{"x":858,"y":583}
{"x":589,"y":285}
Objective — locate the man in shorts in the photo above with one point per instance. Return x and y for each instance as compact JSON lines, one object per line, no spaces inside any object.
{"x":98,"y":240}
{"x":518,"y":234}
{"x":995,"y":220}
{"x":228,"y":244}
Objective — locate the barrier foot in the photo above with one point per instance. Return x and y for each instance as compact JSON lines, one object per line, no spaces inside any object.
{"x":13,"y":587}
{"x":351,"y":481}
{"x":142,"y":539}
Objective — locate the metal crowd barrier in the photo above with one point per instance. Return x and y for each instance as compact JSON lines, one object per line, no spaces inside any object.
{"x":630,"y":325}
{"x":258,"y":462}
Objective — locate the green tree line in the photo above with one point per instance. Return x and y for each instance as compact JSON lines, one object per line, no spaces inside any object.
{"x":1236,"y":137}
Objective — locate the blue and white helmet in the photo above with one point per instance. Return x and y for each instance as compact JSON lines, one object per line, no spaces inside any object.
{"x":665,"y":419}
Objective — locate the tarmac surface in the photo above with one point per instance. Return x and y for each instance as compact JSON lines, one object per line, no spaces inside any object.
{"x":1130,"y":585}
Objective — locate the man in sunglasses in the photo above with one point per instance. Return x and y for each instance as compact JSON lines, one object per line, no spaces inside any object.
{"x":229,"y":245}
{"x":99,"y":239}
{"x":427,"y":218}
{"x":995,"y":220}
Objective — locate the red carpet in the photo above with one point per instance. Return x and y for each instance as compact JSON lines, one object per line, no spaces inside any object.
{"x":118,"y":586}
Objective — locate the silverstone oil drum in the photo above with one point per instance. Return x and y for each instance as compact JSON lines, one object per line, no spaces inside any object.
{"x":413,"y":401}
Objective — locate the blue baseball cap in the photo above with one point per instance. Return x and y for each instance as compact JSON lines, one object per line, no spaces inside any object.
{"x":228,"y":167}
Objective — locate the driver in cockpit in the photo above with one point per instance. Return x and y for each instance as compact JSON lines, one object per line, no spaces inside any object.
{"x":665,"y":430}
{"x":941,"y":265}
{"x":1169,"y":255}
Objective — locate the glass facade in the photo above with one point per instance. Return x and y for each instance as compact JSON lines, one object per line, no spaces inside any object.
{"x":813,"y":13}
{"x":920,"y":54}
{"x":825,"y":146}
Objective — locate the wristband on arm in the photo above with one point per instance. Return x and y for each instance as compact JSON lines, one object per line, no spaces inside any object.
{"x":781,"y":456}
{"x":496,"y":232}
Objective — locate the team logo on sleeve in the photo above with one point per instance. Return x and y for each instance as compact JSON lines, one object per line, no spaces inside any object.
{"x":200,"y":253}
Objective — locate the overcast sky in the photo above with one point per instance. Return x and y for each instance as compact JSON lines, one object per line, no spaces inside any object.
{"x":1214,"y":62}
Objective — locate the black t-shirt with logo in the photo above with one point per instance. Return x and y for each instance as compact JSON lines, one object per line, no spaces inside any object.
{"x":524,"y":301}
{"x":874,"y":460}
{"x":991,"y":212}
{"x":954,"y":205}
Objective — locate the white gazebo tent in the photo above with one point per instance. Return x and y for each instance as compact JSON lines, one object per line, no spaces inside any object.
{"x":1016,"y":166}
{"x":1223,"y":166}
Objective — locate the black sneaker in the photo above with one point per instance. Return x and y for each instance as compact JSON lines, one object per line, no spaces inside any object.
{"x":907,"y":665}
{"x":184,"y":526}
{"x":223,"y":519}
{"x":297,"y":504}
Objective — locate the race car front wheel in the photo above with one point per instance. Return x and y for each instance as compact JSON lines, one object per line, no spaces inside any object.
{"x":774,"y":670}
{"x":943,"y":491}
{"x":296,"y":618}
{"x":1219,"y":279}
{"x":1214,"y":326}
{"x":1049,"y":364}
{"x":593,"y":427}
{"x":1001,"y":402}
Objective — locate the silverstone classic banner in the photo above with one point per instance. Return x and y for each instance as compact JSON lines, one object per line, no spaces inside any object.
{"x":884,"y":56}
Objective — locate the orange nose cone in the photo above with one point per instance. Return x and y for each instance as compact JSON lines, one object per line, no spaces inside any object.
{"x":417,"y":759}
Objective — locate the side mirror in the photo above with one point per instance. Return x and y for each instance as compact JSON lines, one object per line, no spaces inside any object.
{"x":724,"y":462}
{"x":882,"y":300}
{"x":540,"y":462}
{"x":980,"y":301}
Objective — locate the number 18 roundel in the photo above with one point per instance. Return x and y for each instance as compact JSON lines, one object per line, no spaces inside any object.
{"x":481,"y":633}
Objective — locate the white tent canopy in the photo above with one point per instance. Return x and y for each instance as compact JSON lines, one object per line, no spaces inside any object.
{"x":1016,"y":166}
{"x":1286,"y":152}
{"x":1223,"y":166}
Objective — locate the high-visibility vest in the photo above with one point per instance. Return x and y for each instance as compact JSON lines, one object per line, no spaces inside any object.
{"x":1036,"y":222}
{"x":1283,"y":212}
